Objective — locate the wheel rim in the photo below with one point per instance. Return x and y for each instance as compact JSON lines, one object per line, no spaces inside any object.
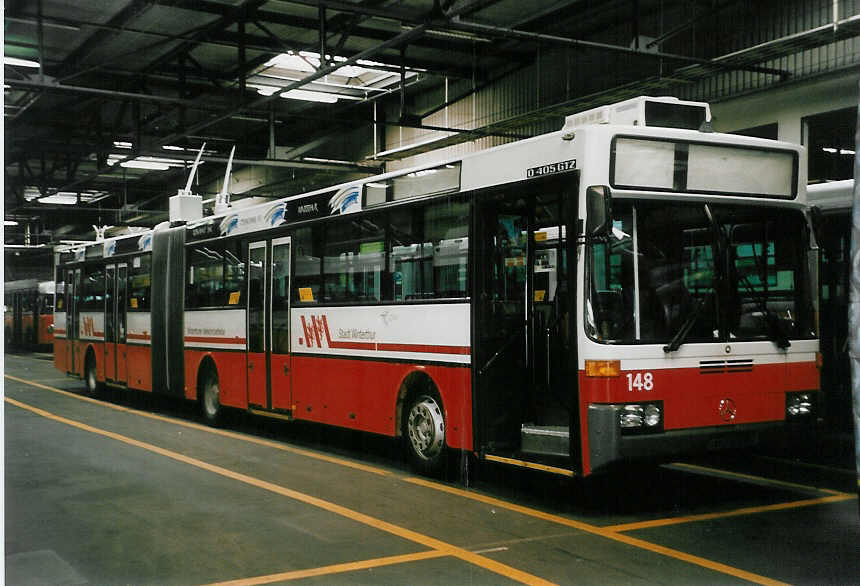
{"x":210,"y":399}
{"x":426,"y":428}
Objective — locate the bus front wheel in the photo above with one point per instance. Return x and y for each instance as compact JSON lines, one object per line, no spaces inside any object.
{"x":210,"y":398}
{"x":424,"y":433}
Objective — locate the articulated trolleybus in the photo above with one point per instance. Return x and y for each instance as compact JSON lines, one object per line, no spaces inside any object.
{"x":632,"y":286}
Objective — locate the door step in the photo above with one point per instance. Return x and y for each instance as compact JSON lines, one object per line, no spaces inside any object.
{"x":550,"y":440}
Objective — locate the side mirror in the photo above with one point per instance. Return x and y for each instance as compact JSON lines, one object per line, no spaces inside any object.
{"x":598,"y":206}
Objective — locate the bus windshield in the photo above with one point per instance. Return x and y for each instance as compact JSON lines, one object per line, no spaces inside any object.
{"x":677,"y":273}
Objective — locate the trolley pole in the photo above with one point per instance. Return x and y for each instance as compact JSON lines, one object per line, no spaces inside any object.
{"x":854,"y":309}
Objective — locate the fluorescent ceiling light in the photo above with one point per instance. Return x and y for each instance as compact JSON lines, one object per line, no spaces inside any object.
{"x":318,"y":160}
{"x":310,"y":96}
{"x":307,"y":95}
{"x":837,"y":151}
{"x":309,"y":62}
{"x":58,"y":199}
{"x":10,"y":223}
{"x":152,"y":163}
{"x":137,"y":164}
{"x":121,"y":144}
{"x":15,"y":61}
{"x":172,"y":147}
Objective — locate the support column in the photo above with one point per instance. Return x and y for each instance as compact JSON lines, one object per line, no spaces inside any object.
{"x":854,"y":310}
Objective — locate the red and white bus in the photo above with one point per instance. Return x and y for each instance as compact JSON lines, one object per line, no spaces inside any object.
{"x":28,"y":314}
{"x":631,"y":286}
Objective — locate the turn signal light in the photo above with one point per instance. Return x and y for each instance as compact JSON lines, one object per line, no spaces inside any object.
{"x":819,"y":360}
{"x":604,"y":368}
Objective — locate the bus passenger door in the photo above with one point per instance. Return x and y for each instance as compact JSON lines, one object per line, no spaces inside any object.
{"x":258,"y":366}
{"x":278,"y":313}
{"x":524,"y":390}
{"x":110,"y":329}
{"x":269,"y":325}
{"x":120,"y":323}
{"x":73,"y":283}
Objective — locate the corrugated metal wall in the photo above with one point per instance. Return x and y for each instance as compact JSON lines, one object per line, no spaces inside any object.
{"x":558,"y":75}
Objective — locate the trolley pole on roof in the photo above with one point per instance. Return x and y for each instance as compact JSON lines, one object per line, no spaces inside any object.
{"x":854,"y":310}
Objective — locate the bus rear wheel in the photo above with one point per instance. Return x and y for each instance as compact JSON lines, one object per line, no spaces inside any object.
{"x":210,"y":398}
{"x":91,"y":379}
{"x":424,"y":434}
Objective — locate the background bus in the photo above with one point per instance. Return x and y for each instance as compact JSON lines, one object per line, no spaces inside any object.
{"x":633,"y":286}
{"x":835,"y":199}
{"x":29,"y":314}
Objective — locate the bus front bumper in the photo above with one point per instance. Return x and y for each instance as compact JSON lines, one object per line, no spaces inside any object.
{"x":607,"y":443}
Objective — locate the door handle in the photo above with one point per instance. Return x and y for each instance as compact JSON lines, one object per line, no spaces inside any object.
{"x":286,"y":370}
{"x":250,"y":366}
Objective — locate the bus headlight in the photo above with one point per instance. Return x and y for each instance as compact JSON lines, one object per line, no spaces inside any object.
{"x":640,"y":417}
{"x":653,"y":416}
{"x":798,"y":404}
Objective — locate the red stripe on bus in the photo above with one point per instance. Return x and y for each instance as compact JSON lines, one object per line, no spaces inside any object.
{"x":424,"y":348}
{"x":352,"y":345}
{"x":214,"y":340}
{"x":138,"y":336}
{"x":389,"y":347}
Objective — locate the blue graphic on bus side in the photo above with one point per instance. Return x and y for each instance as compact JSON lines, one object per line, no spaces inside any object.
{"x":276,"y":214}
{"x":346,"y":201}
{"x":229,"y":223}
{"x":145,"y":242}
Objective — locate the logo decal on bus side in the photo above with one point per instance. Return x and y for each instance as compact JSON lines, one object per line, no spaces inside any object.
{"x":145,"y":242}
{"x":728,"y":409}
{"x":276,"y":214}
{"x":229,"y":223}
{"x":346,"y":201}
{"x":314,"y":332}
{"x":88,"y":327}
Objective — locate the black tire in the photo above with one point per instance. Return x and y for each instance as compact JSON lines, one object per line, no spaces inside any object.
{"x":91,"y":380}
{"x":424,"y":433}
{"x":210,"y":397}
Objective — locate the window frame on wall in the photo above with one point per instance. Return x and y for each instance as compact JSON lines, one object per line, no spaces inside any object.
{"x":829,"y":165}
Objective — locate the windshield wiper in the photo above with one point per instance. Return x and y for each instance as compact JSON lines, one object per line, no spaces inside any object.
{"x":685,"y":328}
{"x":773,"y":330}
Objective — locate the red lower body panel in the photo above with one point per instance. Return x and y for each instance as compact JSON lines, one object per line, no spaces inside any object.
{"x":694,"y":398}
{"x":362,"y":394}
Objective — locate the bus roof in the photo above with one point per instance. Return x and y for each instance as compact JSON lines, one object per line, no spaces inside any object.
{"x":832,"y":195}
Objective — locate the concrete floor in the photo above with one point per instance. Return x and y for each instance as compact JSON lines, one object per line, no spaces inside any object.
{"x":136,"y":491}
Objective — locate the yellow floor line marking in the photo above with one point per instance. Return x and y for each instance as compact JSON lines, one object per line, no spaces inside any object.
{"x":757,"y":479}
{"x":601,"y":531}
{"x":206,"y":428}
{"x":734,"y":513}
{"x":425,"y":540}
{"x":607,"y":532}
{"x":334,"y":569}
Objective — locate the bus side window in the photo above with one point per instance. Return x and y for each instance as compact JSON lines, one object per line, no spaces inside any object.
{"x":307,"y":243}
{"x":59,"y":292}
{"x":139,"y":283}
{"x":446,"y":228}
{"x":354,"y":259}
